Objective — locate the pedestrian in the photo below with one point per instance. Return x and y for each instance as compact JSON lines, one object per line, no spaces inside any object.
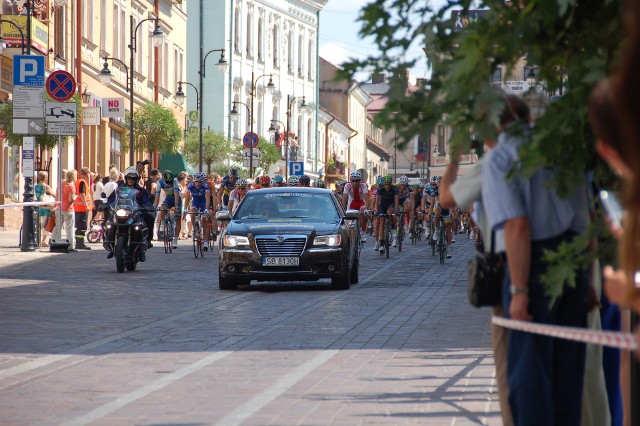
{"x":151,"y":184}
{"x":545,"y":375}
{"x":16,"y":8}
{"x":183,"y":181}
{"x":7,"y":8}
{"x":82,"y":205}
{"x":66,"y":216}
{"x":44,"y":193}
{"x":98,"y":187}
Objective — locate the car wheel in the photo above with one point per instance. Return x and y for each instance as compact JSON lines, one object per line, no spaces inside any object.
{"x":353,"y":275}
{"x":227,"y":283}
{"x":343,"y":282}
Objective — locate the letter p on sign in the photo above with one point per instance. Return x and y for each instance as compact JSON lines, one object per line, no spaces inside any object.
{"x":28,"y":68}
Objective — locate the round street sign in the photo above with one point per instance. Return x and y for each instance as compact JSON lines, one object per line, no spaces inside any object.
{"x":250,"y":139}
{"x":60,"y":85}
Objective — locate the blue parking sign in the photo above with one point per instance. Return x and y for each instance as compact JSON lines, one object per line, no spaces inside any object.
{"x":296,"y":168}
{"x":28,"y":70}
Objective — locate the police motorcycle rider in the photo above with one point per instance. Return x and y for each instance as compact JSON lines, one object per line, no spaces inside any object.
{"x":131,"y":180}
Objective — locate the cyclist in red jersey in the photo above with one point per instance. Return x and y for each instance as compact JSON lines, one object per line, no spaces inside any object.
{"x":355,"y":196}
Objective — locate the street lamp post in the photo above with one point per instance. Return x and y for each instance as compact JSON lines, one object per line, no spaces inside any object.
{"x":157,"y":37}
{"x":303,"y":107}
{"x":270,"y":88}
{"x":273,"y":130}
{"x":395,"y":154}
{"x":180,"y":97}
{"x":222,"y":65}
{"x":234,"y":115}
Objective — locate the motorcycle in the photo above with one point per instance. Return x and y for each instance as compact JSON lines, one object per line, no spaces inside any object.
{"x":126,"y":234}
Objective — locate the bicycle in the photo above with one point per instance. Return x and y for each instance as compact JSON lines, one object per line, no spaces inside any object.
{"x":400,"y":228}
{"x":96,"y":233}
{"x":197,"y":236}
{"x":168,"y":230}
{"x":386,"y":238}
{"x":415,"y":230}
{"x":431,"y":241}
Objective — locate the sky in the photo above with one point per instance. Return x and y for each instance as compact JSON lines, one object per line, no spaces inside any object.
{"x":339,"y":39}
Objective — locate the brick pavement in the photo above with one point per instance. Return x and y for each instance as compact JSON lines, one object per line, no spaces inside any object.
{"x":163,"y":345}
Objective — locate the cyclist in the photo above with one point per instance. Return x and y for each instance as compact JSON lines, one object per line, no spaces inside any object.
{"x":426,"y":202}
{"x":279,"y":180}
{"x":264,"y":181}
{"x":388,"y":201}
{"x":172,"y":200}
{"x":199,"y":193}
{"x":304,"y":180}
{"x":319,"y":183}
{"x":237,"y":195}
{"x":355,"y":196}
{"x":373,"y":207}
{"x":436,"y":209}
{"x":227,"y":185}
{"x":293,"y":181}
{"x":415,"y":204}
{"x":405,"y":197}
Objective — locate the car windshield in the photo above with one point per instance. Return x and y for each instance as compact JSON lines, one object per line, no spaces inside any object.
{"x":287,"y":205}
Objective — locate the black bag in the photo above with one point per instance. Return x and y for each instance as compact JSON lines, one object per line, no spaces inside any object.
{"x":486,"y":278}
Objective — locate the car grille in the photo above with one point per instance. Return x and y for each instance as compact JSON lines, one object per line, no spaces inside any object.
{"x":289,"y":247}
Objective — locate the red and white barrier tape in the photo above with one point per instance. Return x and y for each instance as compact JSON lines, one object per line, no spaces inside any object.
{"x":31,"y":203}
{"x":610,"y":339}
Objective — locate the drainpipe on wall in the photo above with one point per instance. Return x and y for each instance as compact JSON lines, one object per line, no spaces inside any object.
{"x":326,"y":144}
{"x":230,"y":51}
{"x":79,"y":138}
{"x":315,"y":167}
{"x":349,"y":151}
{"x":156,"y":73}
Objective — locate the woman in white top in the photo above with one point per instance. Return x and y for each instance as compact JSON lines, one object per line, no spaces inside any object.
{"x":98,"y":186}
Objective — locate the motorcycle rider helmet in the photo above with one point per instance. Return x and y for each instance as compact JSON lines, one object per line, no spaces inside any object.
{"x":304,"y":180}
{"x":200,"y":177}
{"x":131,"y":173}
{"x":278,"y":178}
{"x":233,"y":173}
{"x":320,"y":184}
{"x":404,"y":180}
{"x":168,"y":176}
{"x":355,"y":176}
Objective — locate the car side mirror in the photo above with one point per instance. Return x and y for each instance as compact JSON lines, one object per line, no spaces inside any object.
{"x":352,"y":215}
{"x":223,"y":216}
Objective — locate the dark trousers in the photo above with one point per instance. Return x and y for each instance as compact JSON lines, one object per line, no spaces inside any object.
{"x":81,"y":224}
{"x":546,"y":374}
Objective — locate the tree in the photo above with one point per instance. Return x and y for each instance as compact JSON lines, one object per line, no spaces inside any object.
{"x":269,"y":155}
{"x":155,"y":128}
{"x":573,"y":44}
{"x":215,"y":148}
{"x":43,"y":141}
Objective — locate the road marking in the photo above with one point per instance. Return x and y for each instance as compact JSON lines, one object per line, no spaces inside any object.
{"x":248,"y":409}
{"x":118,"y":403}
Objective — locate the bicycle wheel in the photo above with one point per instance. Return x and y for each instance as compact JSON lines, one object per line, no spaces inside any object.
{"x":195,"y":238}
{"x":442,"y":247}
{"x":387,"y":239}
{"x":400,"y":236}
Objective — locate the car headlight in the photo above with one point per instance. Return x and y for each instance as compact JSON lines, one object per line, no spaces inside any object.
{"x":122,"y":213}
{"x":328,"y":240}
{"x":235,"y":241}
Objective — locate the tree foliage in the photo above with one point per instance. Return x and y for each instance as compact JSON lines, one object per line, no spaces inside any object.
{"x":43,"y":141}
{"x":155,"y":128}
{"x":573,"y":43}
{"x":215,"y":148}
{"x":269,"y":155}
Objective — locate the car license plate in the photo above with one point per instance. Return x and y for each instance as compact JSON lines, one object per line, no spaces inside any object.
{"x":280,"y":261}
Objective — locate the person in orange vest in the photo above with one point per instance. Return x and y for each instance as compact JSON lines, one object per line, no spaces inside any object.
{"x":82,"y":205}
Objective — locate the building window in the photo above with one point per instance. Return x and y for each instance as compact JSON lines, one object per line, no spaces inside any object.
{"x":301,"y":141}
{"x":236,"y":31}
{"x":300,"y":53}
{"x":309,"y":139}
{"x":116,"y":155}
{"x":87,"y":19}
{"x":248,"y":102}
{"x":103,"y":25}
{"x":60,"y":31}
{"x":290,"y":52}
{"x":249,"y":35}
{"x":260,"y":40}
{"x":259,"y":121}
{"x":441,"y":139}
{"x":496,"y":77}
{"x":276,"y":63}
{"x":310,"y":61}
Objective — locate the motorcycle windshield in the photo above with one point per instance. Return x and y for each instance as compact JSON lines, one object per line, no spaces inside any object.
{"x":126,"y":198}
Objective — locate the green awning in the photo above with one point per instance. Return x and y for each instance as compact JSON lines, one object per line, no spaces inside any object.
{"x":174,"y":162}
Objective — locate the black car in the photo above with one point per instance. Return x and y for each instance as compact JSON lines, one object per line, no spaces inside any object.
{"x":288,"y":234}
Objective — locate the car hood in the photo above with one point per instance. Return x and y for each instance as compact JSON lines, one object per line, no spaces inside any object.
{"x":282,"y":227}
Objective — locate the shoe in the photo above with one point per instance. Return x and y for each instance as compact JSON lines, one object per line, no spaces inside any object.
{"x":381,"y":249}
{"x":83,"y":247}
{"x":435,"y":235}
{"x":205,"y":248}
{"x":44,"y":244}
{"x":448,"y":252}
{"x":394,"y":242}
{"x":142,"y":257}
{"x":377,"y":246}
{"x":364,"y":238}
{"x":175,"y":243}
{"x":71,"y":250}
{"x":149,"y":245}
{"x":110,"y":255}
{"x":453,"y":241}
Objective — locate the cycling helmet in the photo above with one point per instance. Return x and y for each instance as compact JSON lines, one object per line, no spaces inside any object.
{"x":437,"y":179}
{"x":241,"y":183}
{"x":380,"y":180}
{"x":272,"y":181}
{"x":233,"y":173}
{"x":278,"y":178}
{"x":320,"y":184}
{"x":355,"y":176}
{"x":131,"y":172}
{"x":433,"y":179}
{"x":264,"y":180}
{"x":304,"y":180}
{"x":167,"y":176}
{"x":293,"y":180}
{"x":341,"y":182}
{"x":415,"y":186}
{"x":388,"y":179}
{"x":404,"y":180}
{"x":200,"y":177}
{"x":421,"y":185}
